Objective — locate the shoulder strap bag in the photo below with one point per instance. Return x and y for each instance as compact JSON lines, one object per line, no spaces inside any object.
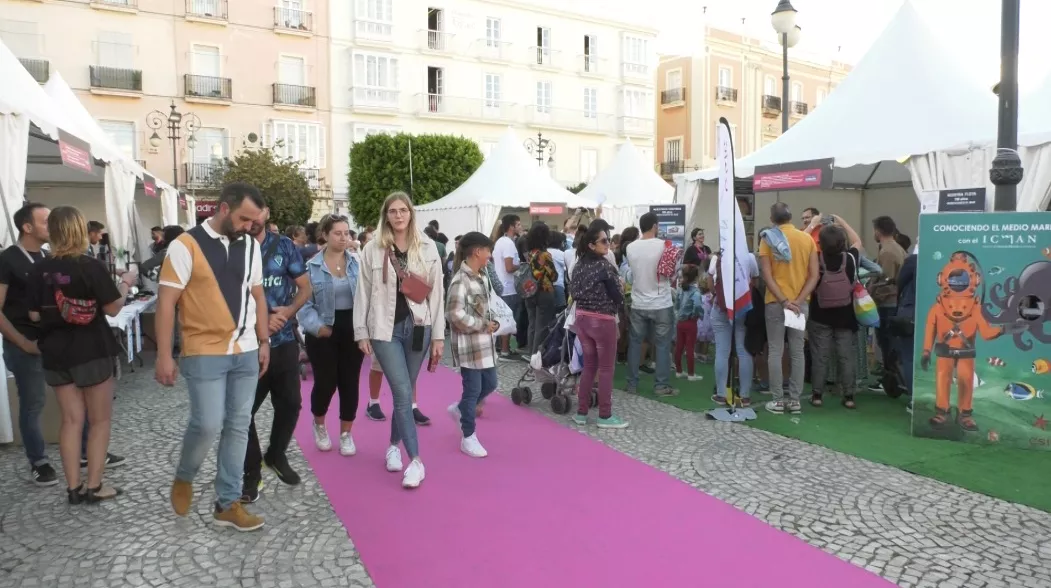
{"x":413,"y":286}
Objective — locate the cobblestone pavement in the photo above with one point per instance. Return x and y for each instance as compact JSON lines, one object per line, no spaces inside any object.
{"x":911,"y":530}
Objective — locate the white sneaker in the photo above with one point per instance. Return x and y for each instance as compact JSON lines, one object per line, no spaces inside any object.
{"x":471,"y":446}
{"x":321,"y":439}
{"x":454,"y":413}
{"x":393,"y":459}
{"x":680,"y":375}
{"x":695,"y":378}
{"x":346,"y":445}
{"x":414,"y":474}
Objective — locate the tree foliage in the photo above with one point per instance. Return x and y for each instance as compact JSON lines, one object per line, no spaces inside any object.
{"x":280,"y":180}
{"x":379,"y":165}
{"x":578,"y":188}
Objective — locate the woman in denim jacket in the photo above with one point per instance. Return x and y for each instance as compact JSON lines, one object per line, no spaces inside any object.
{"x":327,"y":318}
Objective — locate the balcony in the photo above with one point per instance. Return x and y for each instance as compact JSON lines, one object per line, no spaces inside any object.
{"x":293,"y":22}
{"x":467,"y":109}
{"x":203,"y":176}
{"x":40,"y":69}
{"x":312,"y":176}
{"x":207,"y":89}
{"x":373,"y":32}
{"x":673,"y":97}
{"x":546,"y":117}
{"x":297,"y":96}
{"x":373,"y":99}
{"x":670,"y":168}
{"x":725,"y":95}
{"x":635,"y":71}
{"x":771,"y":106}
{"x":493,"y":50}
{"x":543,"y":57}
{"x":115,"y":81}
{"x":115,"y":5}
{"x":635,"y":126}
{"x":589,"y":65}
{"x":207,"y":11}
{"x":798,"y":108}
{"x":435,"y":41}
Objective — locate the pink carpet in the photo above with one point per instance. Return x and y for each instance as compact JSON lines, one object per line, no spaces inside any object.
{"x":548,"y":507}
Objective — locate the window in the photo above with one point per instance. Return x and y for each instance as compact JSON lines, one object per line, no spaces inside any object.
{"x":673,"y":79}
{"x":115,"y":50}
{"x":362,"y":131}
{"x":636,"y":52}
{"x":205,"y":61}
{"x":590,"y":102}
{"x":588,"y":164}
{"x":375,"y":10}
{"x":301,"y":141}
{"x":492,"y":32}
{"x":543,"y":46}
{"x":375,"y":71}
{"x":672,"y":150}
{"x":821,"y":95}
{"x":122,"y":134}
{"x":21,"y":37}
{"x":211,"y":145}
{"x":292,"y":70}
{"x":769,"y":86}
{"x":493,"y":96}
{"x":797,"y":92}
{"x":590,"y":53}
{"x":726,"y":77}
{"x":637,"y":104}
{"x":543,"y":97}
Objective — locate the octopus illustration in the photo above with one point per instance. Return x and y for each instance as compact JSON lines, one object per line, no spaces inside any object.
{"x":1022,"y":305}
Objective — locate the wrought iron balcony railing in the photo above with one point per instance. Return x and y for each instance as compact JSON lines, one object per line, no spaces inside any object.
{"x":799,"y":108}
{"x":204,"y":176}
{"x":669,"y":168}
{"x":292,"y":95}
{"x":493,"y":50}
{"x":437,"y":40}
{"x":474,"y":109}
{"x":115,"y":78}
{"x":214,"y":9}
{"x":207,"y":87}
{"x":673,"y":95}
{"x":725,"y":94}
{"x":771,"y":103}
{"x":40,"y":69}
{"x":291,"y":19}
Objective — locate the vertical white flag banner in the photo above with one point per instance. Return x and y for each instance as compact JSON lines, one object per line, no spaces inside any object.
{"x":736,"y":291}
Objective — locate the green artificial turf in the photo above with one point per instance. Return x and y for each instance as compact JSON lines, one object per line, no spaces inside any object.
{"x":879,"y":430}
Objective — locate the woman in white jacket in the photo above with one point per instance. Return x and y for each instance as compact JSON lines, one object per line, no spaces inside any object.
{"x":395,"y":329}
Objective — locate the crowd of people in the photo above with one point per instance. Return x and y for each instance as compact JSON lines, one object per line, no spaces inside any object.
{"x":238,"y":302}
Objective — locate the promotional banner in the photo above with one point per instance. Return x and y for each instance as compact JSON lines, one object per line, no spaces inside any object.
{"x":969,"y":200}
{"x":671,"y":223}
{"x":814,"y":174}
{"x":149,"y":185}
{"x":182,"y":201}
{"x":982,"y":367}
{"x":207,"y":207}
{"x":75,"y":154}
{"x":732,"y":241}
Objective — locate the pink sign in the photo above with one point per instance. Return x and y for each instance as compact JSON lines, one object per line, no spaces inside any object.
{"x":538,"y":209}
{"x":207,"y":208}
{"x":149,"y":185}
{"x":75,"y":153}
{"x":787,"y":180}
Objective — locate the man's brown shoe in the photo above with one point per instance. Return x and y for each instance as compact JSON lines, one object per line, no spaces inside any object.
{"x":182,"y":497}
{"x":237,"y":517}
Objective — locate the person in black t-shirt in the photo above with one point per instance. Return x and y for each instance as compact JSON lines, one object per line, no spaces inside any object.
{"x":67,"y":297}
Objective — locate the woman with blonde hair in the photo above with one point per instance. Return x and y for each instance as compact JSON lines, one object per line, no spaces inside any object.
{"x":399,"y":318}
{"x":69,"y":295}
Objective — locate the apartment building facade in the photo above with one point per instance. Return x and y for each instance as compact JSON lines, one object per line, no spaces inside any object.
{"x":254,"y":73}
{"x":737,"y":78}
{"x":475,"y":67}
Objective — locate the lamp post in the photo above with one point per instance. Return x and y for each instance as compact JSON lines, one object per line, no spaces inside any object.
{"x":538,"y":147}
{"x":1006,"y":170}
{"x":784,"y":20}
{"x":176,"y":122}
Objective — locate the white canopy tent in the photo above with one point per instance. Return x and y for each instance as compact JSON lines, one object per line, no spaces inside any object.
{"x":508,"y":178}
{"x":626,"y":188}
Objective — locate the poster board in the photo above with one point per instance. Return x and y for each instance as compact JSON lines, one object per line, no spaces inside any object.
{"x":671,"y":223}
{"x":814,"y":174}
{"x":987,"y":276}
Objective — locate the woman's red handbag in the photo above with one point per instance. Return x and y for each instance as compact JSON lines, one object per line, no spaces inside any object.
{"x":413,"y":286}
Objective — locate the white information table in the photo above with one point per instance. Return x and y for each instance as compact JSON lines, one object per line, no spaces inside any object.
{"x":129,"y":323}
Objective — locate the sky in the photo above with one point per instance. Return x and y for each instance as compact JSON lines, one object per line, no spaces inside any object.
{"x":843,"y":29}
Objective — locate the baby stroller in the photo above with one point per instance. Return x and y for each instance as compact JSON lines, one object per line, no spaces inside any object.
{"x":302,"y":344}
{"x":558,"y":380}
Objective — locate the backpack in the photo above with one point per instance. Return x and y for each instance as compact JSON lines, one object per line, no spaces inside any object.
{"x":835,"y":289}
{"x":668,"y":261}
{"x":525,"y":281}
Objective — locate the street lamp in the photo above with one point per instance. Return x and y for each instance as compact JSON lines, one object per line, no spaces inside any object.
{"x":175,"y":122}
{"x":784,"y":21}
{"x":1006,"y":170}
{"x":538,"y":147}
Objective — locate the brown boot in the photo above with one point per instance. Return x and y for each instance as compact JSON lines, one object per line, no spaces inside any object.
{"x":182,"y":497}
{"x":237,"y":517}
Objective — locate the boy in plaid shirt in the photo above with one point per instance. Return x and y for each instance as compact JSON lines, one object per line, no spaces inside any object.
{"x":472,"y":328}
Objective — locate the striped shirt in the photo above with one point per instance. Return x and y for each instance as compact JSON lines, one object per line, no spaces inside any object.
{"x":216,"y":276}
{"x":467,"y":310}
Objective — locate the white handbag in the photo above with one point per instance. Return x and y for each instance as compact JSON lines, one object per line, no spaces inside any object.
{"x":501,"y":313}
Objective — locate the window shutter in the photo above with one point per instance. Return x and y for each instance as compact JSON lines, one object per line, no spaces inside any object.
{"x":322,"y":148}
{"x":265,"y":138}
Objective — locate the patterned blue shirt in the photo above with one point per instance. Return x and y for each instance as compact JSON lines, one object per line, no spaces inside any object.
{"x":282,"y":264}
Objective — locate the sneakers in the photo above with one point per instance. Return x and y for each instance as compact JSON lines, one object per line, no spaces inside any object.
{"x":695,"y":378}
{"x":612,"y":422}
{"x":469,"y":445}
{"x":746,"y":402}
{"x":321,"y":438}
{"x":414,"y":474}
{"x":375,"y":413}
{"x":876,"y":387}
{"x":420,"y":418}
{"x":647,"y":369}
{"x":346,"y":445}
{"x":580,"y":419}
{"x":454,"y":412}
{"x":393,"y":459}
{"x":181,"y":497}
{"x":680,"y":375}
{"x":776,"y":407}
{"x":794,"y":407}
{"x":44,"y":475}
{"x":250,"y":490}
{"x":721,"y":400}
{"x":103,"y":492}
{"x":237,"y":517}
{"x":284,"y":472}
{"x":112,"y":461}
{"x":665,"y":391}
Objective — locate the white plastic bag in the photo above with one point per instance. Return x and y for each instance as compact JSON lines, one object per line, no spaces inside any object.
{"x":501,"y":313}
{"x":576,"y":362}
{"x":571,"y":317}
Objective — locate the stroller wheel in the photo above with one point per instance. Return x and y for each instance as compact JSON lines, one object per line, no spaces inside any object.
{"x":527,"y":395}
{"x":594,"y":398}
{"x":516,"y":396}
{"x":559,"y":404}
{"x":548,"y":390}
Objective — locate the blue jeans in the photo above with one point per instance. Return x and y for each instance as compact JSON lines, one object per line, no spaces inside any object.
{"x":477,"y":384}
{"x":657,"y":327}
{"x":883,"y":332}
{"x":401,"y":365}
{"x":222,"y":390}
{"x":29,"y":379}
{"x":723,"y":334}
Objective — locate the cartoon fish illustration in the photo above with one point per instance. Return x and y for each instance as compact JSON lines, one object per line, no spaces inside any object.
{"x":1041,"y":366}
{"x":1022,"y":391}
{"x":995,"y":271}
{"x":977,"y":381}
{"x":996,"y":362}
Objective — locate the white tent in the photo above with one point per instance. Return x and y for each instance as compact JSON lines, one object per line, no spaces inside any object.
{"x":626,"y":188}
{"x":508,"y":178}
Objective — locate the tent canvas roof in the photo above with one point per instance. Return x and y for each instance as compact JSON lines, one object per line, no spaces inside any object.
{"x":21,"y":94}
{"x":905,"y":97}
{"x":628,"y":180}
{"x":1034,"y":116}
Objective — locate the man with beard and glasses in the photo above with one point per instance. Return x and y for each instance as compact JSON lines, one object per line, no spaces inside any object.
{"x":214,"y":272}
{"x":287,"y":288}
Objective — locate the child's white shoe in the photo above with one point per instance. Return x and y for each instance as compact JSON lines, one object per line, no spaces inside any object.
{"x":471,"y":446}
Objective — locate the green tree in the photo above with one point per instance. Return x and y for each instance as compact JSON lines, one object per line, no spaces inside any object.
{"x":578,"y":188}
{"x":379,"y":165}
{"x":282,"y":183}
